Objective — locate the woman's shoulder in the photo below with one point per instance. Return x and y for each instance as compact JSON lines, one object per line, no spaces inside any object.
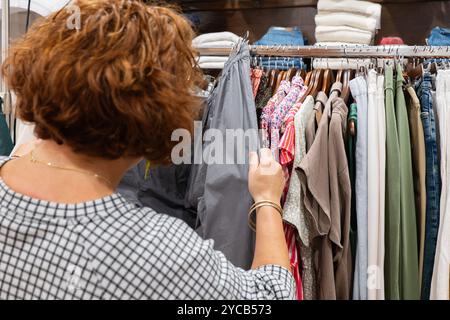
{"x":3,"y":160}
{"x":143,"y":220}
{"x":137,"y":229}
{"x":139,"y":246}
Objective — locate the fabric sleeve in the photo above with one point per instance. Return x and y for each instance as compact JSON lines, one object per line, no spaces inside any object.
{"x":203,"y":273}
{"x":158,"y":257}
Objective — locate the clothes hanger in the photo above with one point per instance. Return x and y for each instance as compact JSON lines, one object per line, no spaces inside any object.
{"x":295,"y":70}
{"x":290,"y":74}
{"x":269,"y":73}
{"x":285,"y":69}
{"x":303,"y":73}
{"x":280,"y":78}
{"x":345,"y":85}
{"x":318,"y":84}
{"x":315,"y":83}
{"x":310,"y":82}
{"x":284,"y":65}
{"x":345,"y":94}
{"x":352,"y":127}
{"x":273,"y":78}
{"x":318,"y":81}
{"x":327,"y":78}
{"x":339,"y":76}
{"x":350,"y":74}
{"x":308,"y":77}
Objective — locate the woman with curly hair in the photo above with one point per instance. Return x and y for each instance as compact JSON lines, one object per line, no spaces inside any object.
{"x":102,"y":97}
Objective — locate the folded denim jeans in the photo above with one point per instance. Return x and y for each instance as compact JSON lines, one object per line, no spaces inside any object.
{"x":439,"y":37}
{"x":281,"y":63}
{"x":282,"y":36}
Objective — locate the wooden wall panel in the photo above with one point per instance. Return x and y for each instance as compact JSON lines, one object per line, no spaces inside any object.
{"x":244,"y":4}
{"x":257,"y":21}
{"x":414,"y":21}
{"x":197,"y":5}
{"x":411,"y":20}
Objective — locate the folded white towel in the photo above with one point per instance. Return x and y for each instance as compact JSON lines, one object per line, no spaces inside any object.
{"x":216,"y":44}
{"x":204,"y":59}
{"x":215,"y":37}
{"x":343,"y":34}
{"x":327,"y":29}
{"x":212,"y":62}
{"x":353,"y":6}
{"x":340,"y":63}
{"x":212,"y":65}
{"x":347,"y":19}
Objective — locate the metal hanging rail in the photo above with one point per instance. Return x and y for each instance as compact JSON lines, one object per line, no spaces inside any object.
{"x":344,"y":51}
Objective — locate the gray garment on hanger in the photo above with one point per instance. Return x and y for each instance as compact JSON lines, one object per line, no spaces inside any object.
{"x":164,"y":190}
{"x":218,"y":192}
{"x":221,"y":190}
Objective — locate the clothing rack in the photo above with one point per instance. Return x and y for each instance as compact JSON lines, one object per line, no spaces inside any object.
{"x":344,"y":51}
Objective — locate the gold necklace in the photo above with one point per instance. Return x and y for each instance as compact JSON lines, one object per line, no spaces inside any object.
{"x":51,"y":165}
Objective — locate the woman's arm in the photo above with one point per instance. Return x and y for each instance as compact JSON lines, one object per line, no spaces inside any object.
{"x":266,"y":182}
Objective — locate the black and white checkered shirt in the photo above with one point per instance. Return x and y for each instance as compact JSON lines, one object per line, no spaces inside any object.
{"x":109,"y":249}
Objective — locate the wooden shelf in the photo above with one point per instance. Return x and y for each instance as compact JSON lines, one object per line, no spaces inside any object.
{"x":214,"y":5}
{"x":243,"y":4}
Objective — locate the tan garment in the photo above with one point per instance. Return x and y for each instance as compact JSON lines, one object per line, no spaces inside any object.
{"x":340,"y":199}
{"x":315,"y":186}
{"x":419,"y":167}
{"x":311,"y":127}
{"x":293,"y":210}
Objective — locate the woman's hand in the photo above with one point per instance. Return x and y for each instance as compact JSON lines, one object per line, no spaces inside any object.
{"x":265,"y":180}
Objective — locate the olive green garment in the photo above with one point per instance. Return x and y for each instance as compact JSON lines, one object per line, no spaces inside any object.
{"x":392,"y":205}
{"x":409,"y":258}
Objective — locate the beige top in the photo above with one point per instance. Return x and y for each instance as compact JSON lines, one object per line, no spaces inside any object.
{"x":340,"y":199}
{"x":315,"y":187}
{"x":311,"y":127}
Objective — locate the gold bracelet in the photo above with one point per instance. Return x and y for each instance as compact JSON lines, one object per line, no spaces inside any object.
{"x":259,"y":204}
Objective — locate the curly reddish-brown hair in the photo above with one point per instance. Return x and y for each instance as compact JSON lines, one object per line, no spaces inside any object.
{"x":115,"y":88}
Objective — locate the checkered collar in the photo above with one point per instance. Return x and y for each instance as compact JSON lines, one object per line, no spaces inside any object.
{"x":40,"y":209}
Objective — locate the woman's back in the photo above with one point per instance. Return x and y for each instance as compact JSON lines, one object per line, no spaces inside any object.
{"x":110,"y":249}
{"x":102,"y":98}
